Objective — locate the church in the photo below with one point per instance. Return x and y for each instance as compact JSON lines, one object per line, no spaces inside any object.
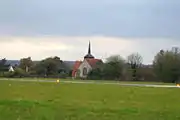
{"x":82,"y":68}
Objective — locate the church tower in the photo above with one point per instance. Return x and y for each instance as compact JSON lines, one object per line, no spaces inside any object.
{"x":89,"y":55}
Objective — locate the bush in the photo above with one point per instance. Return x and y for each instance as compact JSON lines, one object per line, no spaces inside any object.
{"x":63,"y":75}
{"x":18,"y":72}
{"x":9,"y":74}
{"x":1,"y":74}
{"x":95,"y":74}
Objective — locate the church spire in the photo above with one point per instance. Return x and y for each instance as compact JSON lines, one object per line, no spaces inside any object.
{"x":89,"y":49}
{"x":89,"y":52}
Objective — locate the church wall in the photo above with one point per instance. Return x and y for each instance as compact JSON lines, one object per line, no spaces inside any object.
{"x":81,"y":67}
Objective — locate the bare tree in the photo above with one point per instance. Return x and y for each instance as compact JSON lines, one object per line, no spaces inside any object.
{"x":135,"y":61}
{"x":175,"y":50}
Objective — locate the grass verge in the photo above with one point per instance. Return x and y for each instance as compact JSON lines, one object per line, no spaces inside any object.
{"x":59,"y":101}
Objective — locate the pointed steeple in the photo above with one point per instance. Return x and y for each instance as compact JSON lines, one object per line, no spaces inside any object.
{"x":89,"y":52}
{"x":89,"y":49}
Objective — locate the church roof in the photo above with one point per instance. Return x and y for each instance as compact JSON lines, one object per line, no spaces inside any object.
{"x":93,"y":62}
{"x":88,"y":56}
{"x":75,"y":68}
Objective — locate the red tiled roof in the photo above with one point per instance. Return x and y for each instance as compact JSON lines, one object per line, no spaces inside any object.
{"x":93,"y":62}
{"x":75,"y":68}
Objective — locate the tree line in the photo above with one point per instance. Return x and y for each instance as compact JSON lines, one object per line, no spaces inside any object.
{"x":49,"y":67}
{"x":165,"y":68}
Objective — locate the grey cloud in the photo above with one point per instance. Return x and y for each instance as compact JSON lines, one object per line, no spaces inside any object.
{"x":125,"y":18}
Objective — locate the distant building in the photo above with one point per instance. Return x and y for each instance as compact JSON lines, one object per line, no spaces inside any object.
{"x":82,"y":68}
{"x":11,"y":69}
{"x":12,"y":64}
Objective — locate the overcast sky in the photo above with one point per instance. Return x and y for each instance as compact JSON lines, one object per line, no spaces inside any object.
{"x":42,"y":28}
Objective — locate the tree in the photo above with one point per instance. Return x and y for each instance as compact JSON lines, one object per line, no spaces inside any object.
{"x":166,"y":65}
{"x":135,"y":61}
{"x":95,"y":74}
{"x":26,"y":64}
{"x":49,"y":66}
{"x":146,"y":73}
{"x":113,"y":67}
{"x":3,"y":66}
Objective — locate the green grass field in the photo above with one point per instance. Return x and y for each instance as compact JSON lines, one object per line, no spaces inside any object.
{"x":66,"y":101}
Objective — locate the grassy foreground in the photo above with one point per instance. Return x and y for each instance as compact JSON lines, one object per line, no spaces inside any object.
{"x":65,"y":101}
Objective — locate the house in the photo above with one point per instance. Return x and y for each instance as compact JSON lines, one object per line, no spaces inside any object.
{"x":12,"y":64}
{"x":11,"y":69}
{"x":82,"y":68}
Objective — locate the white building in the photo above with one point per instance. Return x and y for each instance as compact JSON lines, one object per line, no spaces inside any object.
{"x":11,"y":69}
